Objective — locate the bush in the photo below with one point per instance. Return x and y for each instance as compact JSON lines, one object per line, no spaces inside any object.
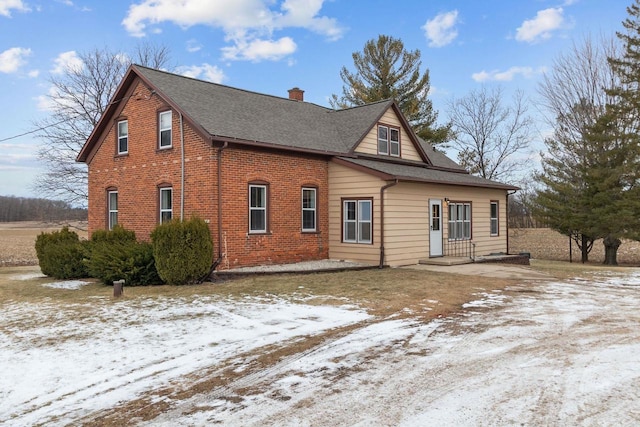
{"x":61,"y":254}
{"x":183,"y":250}
{"x":116,"y":255}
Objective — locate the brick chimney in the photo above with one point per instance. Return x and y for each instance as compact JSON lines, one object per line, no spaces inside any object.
{"x":296,"y":94}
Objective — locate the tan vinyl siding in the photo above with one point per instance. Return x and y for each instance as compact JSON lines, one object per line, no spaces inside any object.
{"x":348,"y":183}
{"x":480,"y":199}
{"x":369,"y":144}
{"x":407,"y":217}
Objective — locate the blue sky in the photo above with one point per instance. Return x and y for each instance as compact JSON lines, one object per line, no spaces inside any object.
{"x":270,"y":46}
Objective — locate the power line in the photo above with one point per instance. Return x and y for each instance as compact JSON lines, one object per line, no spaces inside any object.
{"x":39,"y":129}
{"x":61,"y":121}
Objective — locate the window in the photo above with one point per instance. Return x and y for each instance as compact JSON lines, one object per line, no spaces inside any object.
{"x":166,"y":204}
{"x":123,"y":137}
{"x":165,"y":129}
{"x":383,"y":140}
{"x":257,"y":208}
{"x":357,"y":221}
{"x":388,"y":141}
{"x":394,"y":141}
{"x":112,"y":207}
{"x":494,"y":219}
{"x":459,"y":221}
{"x":308,"y":209}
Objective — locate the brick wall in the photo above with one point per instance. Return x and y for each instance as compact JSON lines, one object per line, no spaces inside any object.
{"x":138,"y":175}
{"x":285,"y":175}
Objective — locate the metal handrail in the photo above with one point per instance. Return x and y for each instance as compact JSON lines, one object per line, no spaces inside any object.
{"x":459,"y":248}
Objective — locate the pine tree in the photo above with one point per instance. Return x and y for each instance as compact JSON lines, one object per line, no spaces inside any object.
{"x":386,"y":70}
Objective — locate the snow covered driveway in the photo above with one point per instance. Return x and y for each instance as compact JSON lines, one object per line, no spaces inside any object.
{"x":557,"y":353}
{"x":547,"y":354}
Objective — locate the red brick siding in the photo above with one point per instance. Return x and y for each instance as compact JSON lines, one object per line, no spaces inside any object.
{"x":138,"y":174}
{"x":284,"y":241}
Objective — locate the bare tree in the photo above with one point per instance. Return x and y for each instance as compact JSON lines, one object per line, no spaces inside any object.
{"x":77,"y":99}
{"x":490,"y":136}
{"x":578,"y":78}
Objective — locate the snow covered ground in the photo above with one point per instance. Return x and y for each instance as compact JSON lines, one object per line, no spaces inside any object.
{"x":559,"y":353}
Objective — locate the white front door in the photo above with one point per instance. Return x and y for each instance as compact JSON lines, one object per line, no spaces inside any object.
{"x":435,"y":227}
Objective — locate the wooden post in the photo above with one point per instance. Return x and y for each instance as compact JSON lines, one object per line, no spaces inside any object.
{"x":118,"y":288}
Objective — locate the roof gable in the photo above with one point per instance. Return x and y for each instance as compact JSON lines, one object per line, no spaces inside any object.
{"x":219,"y":112}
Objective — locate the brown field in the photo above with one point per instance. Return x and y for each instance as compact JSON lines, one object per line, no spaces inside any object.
{"x":544,"y":243}
{"x":17,"y":240}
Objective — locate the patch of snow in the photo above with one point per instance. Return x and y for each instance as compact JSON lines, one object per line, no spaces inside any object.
{"x":28,"y":276}
{"x":71,"y":366}
{"x":67,"y":284}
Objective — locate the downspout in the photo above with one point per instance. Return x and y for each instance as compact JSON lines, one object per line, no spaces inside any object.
{"x":507,"y":215}
{"x":219,"y":155}
{"x":382,"y":190}
{"x":182,"y":169}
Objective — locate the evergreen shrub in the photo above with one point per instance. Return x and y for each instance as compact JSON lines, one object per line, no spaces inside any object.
{"x":183,"y":251}
{"x":61,"y":254}
{"x":116,"y":255}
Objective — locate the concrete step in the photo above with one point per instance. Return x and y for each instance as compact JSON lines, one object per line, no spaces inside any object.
{"x":446,"y":260}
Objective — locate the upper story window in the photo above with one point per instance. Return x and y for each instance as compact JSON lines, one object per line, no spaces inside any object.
{"x":257,"y":208}
{"x":495,"y":230}
{"x":112,"y":202}
{"x":308,"y":209}
{"x":166,"y":204}
{"x":388,"y":140}
{"x":164,"y":137}
{"x":123,"y":137}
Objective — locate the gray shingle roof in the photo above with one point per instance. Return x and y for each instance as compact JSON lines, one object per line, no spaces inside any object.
{"x":424,"y":174}
{"x":229,"y":113}
{"x":224,"y":111}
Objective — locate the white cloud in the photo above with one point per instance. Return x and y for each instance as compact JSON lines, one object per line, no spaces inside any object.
{"x":542,"y":26}
{"x":33,"y":73}
{"x":12,"y":59}
{"x":440,"y":31}
{"x":193,"y":45}
{"x":258,"y":50}
{"x":508,"y":75}
{"x":7,"y":5}
{"x":248,"y":24}
{"x":204,"y":72}
{"x":66,"y":61}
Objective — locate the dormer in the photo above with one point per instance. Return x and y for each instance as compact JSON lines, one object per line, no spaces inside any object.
{"x":389,"y":138}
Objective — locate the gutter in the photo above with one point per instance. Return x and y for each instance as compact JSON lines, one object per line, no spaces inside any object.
{"x":382,"y":190}
{"x":219,"y":155}
{"x":507,"y":214}
{"x":182,"y":168}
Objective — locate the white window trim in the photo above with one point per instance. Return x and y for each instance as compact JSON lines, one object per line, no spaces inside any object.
{"x":110,"y":209}
{"x":170,"y":208}
{"x":314,"y":209}
{"x":495,"y":219}
{"x":394,"y":143}
{"x":161,"y":129}
{"x":258,"y":208}
{"x":358,"y":221}
{"x":385,"y":140}
{"x":120,"y":137}
{"x":459,"y":223}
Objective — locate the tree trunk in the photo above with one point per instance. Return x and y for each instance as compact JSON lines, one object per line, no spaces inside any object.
{"x":611,"y":245}
{"x":584,"y":248}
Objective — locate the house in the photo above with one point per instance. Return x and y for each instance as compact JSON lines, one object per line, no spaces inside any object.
{"x":281,"y":180}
